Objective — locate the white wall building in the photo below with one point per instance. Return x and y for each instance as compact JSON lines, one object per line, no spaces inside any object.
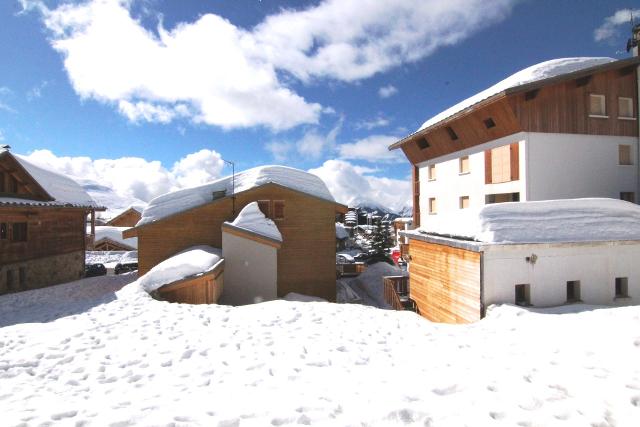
{"x":550,"y":166}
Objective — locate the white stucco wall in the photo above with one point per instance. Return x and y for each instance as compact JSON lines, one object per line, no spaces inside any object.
{"x":595,"y":265}
{"x":565,"y":166}
{"x":552,"y":166}
{"x":450,"y":185}
{"x":250,"y":271}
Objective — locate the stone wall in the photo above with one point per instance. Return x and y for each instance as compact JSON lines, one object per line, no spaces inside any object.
{"x":41,"y":272}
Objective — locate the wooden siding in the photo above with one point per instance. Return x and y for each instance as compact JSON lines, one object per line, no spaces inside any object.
{"x":50,"y":231}
{"x":564,"y":107}
{"x":27,"y":188}
{"x":306,"y":259}
{"x":205,"y":289}
{"x":128,"y":218}
{"x":445,"y":282}
{"x":470,"y":129}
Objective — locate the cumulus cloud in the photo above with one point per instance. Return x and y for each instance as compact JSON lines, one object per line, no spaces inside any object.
{"x":135,"y":176}
{"x":311,"y":146}
{"x":610,"y":27}
{"x":353,"y":186}
{"x":373,"y":123}
{"x":214,"y":72}
{"x":387,"y":91}
{"x":374,"y":148}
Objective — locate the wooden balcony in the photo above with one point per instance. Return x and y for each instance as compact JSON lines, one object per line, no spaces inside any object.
{"x":396,"y":293}
{"x":353,"y":269}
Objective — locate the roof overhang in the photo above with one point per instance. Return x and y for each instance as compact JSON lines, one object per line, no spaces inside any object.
{"x":250,"y":235}
{"x":623,"y":63}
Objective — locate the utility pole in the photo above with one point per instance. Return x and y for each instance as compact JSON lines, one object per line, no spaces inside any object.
{"x":233,"y":184}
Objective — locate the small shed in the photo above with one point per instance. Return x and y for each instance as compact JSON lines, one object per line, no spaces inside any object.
{"x":541,"y":254}
{"x":250,"y":246}
{"x":193,"y":276}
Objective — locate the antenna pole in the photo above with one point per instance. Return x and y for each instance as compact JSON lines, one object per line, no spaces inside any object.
{"x":233,"y":186}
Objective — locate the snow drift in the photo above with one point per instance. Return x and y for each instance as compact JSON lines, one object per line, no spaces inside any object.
{"x":252,"y":219}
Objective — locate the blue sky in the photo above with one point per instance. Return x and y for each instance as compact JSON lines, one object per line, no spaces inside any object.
{"x":313,"y":106}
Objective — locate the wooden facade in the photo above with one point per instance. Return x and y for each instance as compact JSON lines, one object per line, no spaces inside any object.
{"x":557,"y":105}
{"x":107,"y":244}
{"x":306,"y":258}
{"x":445,"y":282}
{"x":42,"y":240}
{"x":128,"y":218}
{"x":202,"y":289}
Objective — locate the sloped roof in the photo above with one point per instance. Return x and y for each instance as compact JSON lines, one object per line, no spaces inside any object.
{"x":535,"y":76}
{"x":64,"y":191}
{"x":178,"y":201}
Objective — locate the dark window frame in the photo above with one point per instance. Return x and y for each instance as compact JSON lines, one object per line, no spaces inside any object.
{"x":19,"y":232}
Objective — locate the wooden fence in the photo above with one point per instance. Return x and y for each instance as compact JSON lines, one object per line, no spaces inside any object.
{"x":352,"y":269}
{"x":396,"y":293}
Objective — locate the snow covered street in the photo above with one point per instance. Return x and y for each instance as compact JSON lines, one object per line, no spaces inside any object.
{"x":106,"y":356}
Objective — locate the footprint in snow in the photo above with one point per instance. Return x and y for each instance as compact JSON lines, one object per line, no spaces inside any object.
{"x":446,"y":390}
{"x":635,"y":401}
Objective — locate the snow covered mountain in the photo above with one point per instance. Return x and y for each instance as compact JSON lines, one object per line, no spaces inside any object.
{"x":382,"y":211}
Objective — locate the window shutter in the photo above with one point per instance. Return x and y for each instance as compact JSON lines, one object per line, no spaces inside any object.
{"x":487,"y":167}
{"x":515,"y":161}
{"x":278,"y":209}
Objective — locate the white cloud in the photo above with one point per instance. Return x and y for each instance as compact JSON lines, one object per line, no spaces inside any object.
{"x":135,"y":176}
{"x":372,"y":124}
{"x":352,"y":186}
{"x":228,"y":76}
{"x":311,"y":146}
{"x":609,"y":28}
{"x":374,"y":148}
{"x":387,"y":91}
{"x":5,"y":91}
{"x":279,"y":150}
{"x":36,"y":91}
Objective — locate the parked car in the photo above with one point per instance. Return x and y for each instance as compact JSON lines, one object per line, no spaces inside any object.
{"x":93,"y":270}
{"x":128,"y":262}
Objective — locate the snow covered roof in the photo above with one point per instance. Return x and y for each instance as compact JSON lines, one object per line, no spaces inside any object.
{"x":538,"y":72}
{"x":535,"y":75}
{"x":115,"y":234}
{"x":549,"y":221}
{"x":182,"y":200}
{"x":189,"y":262}
{"x":253,"y":220}
{"x":63,"y":190}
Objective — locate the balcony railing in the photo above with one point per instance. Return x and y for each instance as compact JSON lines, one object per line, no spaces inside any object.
{"x":396,"y":293}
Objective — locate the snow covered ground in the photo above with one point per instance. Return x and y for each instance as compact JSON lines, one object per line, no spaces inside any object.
{"x":117,"y":357}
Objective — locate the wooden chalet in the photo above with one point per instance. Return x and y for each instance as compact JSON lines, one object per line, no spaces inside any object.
{"x":299,"y":203}
{"x":42,"y":225}
{"x":127,"y":218}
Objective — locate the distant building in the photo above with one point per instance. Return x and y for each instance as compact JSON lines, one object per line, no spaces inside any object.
{"x":42,"y":225}
{"x":127,"y":218}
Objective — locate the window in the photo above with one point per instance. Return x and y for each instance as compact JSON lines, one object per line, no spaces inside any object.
{"x":22,"y":277}
{"x":278,"y":209}
{"x":19,"y":232}
{"x":628,"y":196}
{"x":431,"y":172}
{"x":452,"y":133}
{"x":464,"y":164}
{"x":502,"y":164}
{"x":597,"y":106}
{"x":2,"y":174}
{"x":622,"y":287}
{"x":522,"y":296}
{"x":501,"y":198}
{"x":573,"y":291}
{"x":489,"y":123}
{"x":531,"y":95}
{"x":625,"y":108}
{"x":264,"y":206}
{"x":624,"y":154}
{"x":433,"y":207}
{"x":3,"y":230}
{"x":10,"y":280}
{"x":423,"y":143}
{"x":13,"y":185}
{"x":464,"y":202}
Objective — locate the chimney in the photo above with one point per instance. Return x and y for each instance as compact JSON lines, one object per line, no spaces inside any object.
{"x":632,"y":43}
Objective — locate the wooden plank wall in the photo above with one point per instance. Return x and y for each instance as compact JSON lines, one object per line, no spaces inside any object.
{"x":50,"y":231}
{"x":205,"y":289}
{"x":306,"y":259}
{"x":470,"y":129}
{"x":445,"y":282}
{"x":126,"y":219}
{"x":564,"y":107}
